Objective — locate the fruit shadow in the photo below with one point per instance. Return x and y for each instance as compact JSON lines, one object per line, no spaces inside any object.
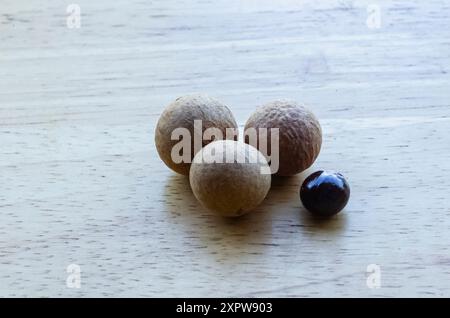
{"x":322,"y":225}
{"x":226,"y":238}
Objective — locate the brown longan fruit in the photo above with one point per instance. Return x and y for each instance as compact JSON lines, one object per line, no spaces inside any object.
{"x":230,"y":187}
{"x":181,"y":114}
{"x":300,"y":134}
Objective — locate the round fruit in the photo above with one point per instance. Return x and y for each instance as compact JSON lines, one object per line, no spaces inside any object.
{"x":325,"y":193}
{"x":181,"y":114}
{"x":226,"y":177}
{"x":300,"y":134}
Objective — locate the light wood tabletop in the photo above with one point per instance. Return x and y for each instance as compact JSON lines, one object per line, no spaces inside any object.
{"x":82,"y":187}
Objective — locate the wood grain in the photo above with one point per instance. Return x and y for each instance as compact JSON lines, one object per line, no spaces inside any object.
{"x":81,"y":181}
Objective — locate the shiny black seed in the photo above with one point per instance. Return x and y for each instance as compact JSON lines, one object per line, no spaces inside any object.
{"x":325,"y":193}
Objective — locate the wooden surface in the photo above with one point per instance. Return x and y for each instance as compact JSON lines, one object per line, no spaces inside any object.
{"x":81,"y":182}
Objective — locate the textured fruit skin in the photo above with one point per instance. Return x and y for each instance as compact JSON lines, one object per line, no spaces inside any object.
{"x":325,"y":193}
{"x":229,"y":189}
{"x":300,"y":134}
{"x":182,"y":113}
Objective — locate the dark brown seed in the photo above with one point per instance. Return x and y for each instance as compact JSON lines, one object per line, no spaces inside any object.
{"x":325,"y":193}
